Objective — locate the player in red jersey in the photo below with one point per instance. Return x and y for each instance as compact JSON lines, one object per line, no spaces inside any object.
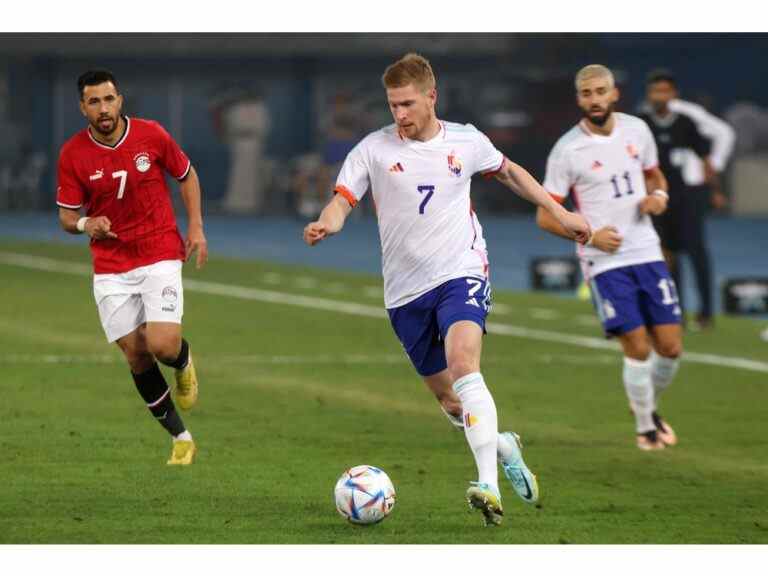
{"x":115,"y":169}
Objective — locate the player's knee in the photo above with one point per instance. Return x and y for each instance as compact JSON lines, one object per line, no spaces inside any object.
{"x":136,"y":354}
{"x":164,"y":342}
{"x":165,"y":350}
{"x":671,"y":349}
{"x":462,"y":365}
{"x":638,"y":350}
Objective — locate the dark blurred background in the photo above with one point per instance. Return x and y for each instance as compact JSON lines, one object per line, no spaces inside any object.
{"x":267,"y":118}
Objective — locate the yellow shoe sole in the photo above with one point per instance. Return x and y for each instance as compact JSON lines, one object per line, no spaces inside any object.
{"x":481,"y":500}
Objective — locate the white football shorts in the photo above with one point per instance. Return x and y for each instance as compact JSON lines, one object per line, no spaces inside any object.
{"x":146,"y":294}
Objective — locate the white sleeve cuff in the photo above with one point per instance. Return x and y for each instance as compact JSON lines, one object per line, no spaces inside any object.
{"x":189,"y":166}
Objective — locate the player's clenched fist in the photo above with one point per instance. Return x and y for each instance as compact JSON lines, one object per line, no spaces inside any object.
{"x":314,"y":232}
{"x":607,"y":239}
{"x":99,"y":228}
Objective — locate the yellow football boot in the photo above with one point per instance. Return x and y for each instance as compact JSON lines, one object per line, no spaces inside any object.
{"x":484,"y":498}
{"x":186,"y":385}
{"x":183,"y":453}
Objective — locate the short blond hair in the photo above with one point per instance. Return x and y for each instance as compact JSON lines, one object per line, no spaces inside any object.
{"x":410,"y":69}
{"x":594,"y":71}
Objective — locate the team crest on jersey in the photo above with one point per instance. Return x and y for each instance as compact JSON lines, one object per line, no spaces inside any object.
{"x":632,"y":151}
{"x":454,"y":164}
{"x":142,"y":161}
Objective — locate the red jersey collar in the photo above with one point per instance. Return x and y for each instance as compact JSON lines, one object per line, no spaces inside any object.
{"x":116,"y":144}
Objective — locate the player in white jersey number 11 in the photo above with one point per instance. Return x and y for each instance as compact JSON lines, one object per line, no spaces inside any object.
{"x":435,"y":266}
{"x":608,"y":165}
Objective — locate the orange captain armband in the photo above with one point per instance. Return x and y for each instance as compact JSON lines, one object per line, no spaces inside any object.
{"x":651,"y":170}
{"x":556,"y":198}
{"x":492,"y":173}
{"x":344,"y":191}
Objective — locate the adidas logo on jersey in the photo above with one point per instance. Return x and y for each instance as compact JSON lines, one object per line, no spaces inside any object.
{"x":473,"y":302}
{"x":396,"y":167}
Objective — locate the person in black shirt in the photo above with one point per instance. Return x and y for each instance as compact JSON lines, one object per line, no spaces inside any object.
{"x":681,"y":227}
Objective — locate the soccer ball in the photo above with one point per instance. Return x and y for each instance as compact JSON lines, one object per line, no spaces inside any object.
{"x":364,"y":495}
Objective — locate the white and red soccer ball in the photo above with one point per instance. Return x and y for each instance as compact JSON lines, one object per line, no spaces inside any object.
{"x":364,"y":494}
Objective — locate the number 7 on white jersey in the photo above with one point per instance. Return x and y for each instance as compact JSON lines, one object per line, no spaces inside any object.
{"x":429,"y":190}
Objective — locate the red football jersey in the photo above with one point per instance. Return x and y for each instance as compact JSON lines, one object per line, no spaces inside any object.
{"x":126,"y":183}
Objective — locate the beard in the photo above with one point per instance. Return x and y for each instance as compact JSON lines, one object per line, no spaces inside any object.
{"x":599,"y":118}
{"x":108,"y":128}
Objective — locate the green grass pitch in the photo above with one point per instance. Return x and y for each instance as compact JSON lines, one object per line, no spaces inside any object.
{"x":291,"y":396}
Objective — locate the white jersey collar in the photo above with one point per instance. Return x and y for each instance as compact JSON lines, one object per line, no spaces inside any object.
{"x":600,"y":137}
{"x":439,"y":137}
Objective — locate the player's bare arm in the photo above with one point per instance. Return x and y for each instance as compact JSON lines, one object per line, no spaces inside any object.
{"x":656,"y":201}
{"x":606,"y":238}
{"x":517,"y":179}
{"x":330,"y":222}
{"x":717,"y":199}
{"x":97,"y":228}
{"x":195,"y":241}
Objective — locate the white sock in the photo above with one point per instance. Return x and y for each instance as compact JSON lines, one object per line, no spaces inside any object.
{"x":480,"y":425}
{"x":503,"y":449}
{"x":639,"y":388}
{"x":183,"y":436}
{"x":663,"y":370}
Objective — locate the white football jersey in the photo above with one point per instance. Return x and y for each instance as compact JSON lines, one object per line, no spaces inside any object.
{"x":428,"y":230}
{"x":604,"y":175}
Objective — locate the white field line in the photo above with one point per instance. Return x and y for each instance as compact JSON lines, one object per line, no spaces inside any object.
{"x":60,"y":359}
{"x":312,"y":360}
{"x":273,"y":297}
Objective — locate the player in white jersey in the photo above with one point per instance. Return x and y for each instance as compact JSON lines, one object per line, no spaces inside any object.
{"x":435,"y":263}
{"x":607,"y":164}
